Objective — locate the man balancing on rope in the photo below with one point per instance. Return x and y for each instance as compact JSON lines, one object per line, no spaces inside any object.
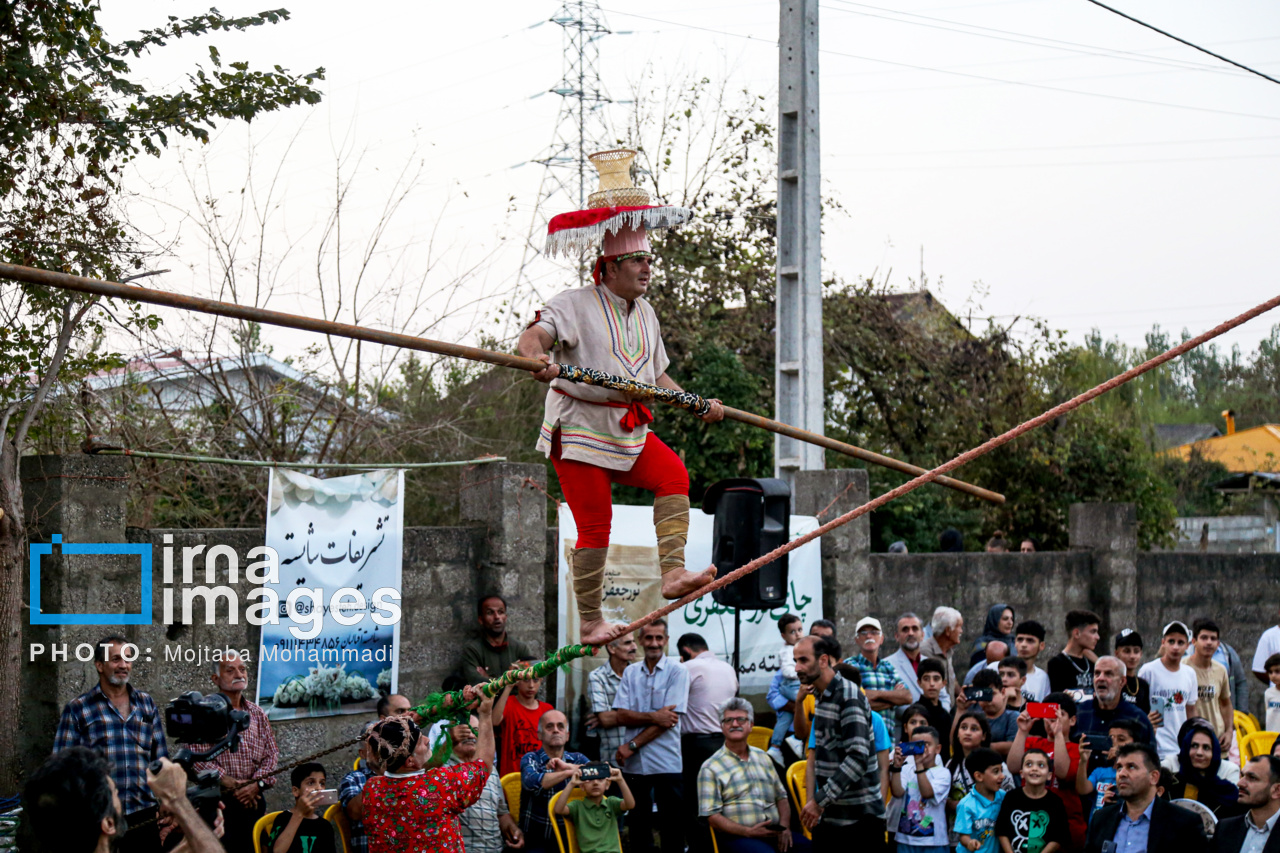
{"x":596,"y":436}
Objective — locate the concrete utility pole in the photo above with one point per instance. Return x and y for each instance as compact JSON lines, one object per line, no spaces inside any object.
{"x":798,"y":359}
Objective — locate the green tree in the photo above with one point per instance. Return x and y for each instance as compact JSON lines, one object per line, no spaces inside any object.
{"x":72,"y":116}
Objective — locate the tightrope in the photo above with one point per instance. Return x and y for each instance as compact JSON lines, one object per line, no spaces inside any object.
{"x":967,"y":456}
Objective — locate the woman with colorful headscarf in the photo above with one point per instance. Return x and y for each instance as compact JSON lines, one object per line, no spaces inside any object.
{"x":414,"y":806}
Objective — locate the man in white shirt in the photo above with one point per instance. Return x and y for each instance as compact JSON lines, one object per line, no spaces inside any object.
{"x":712,"y":683}
{"x":651,"y":700}
{"x":1174,"y":688}
{"x":1254,"y":831}
{"x":1268,"y":645}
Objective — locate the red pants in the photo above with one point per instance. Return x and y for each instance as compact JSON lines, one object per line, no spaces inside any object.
{"x":588,"y":488}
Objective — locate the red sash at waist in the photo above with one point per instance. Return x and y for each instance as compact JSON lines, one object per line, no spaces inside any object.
{"x":637,"y":415}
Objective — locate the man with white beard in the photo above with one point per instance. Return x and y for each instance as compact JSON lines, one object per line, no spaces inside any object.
{"x":909,"y":632}
{"x":122,"y":725}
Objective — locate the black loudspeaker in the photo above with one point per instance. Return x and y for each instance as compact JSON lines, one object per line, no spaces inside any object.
{"x":752,"y":518}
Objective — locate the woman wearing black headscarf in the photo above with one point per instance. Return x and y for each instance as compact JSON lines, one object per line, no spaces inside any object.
{"x":1200,"y":773}
{"x":999,"y":626}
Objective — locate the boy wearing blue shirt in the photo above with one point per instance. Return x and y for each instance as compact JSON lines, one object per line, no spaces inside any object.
{"x":977,"y":813}
{"x":1103,"y":777}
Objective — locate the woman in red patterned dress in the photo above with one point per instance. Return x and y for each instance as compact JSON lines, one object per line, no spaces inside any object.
{"x":414,"y":806}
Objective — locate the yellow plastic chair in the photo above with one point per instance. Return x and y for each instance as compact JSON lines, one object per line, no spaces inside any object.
{"x":1246,"y":724}
{"x":1258,"y":743}
{"x":569,"y":844}
{"x":796,"y":782}
{"x":715,"y":848}
{"x":511,"y":787}
{"x":337,"y":816}
{"x":1257,"y":725}
{"x":356,"y":764}
{"x":261,"y":828}
{"x":759,"y":737}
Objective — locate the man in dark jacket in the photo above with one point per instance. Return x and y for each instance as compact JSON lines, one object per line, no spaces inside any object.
{"x":1140,"y":822}
{"x":1255,"y":830}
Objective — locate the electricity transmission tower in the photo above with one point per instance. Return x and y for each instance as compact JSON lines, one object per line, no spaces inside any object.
{"x":581,"y":128}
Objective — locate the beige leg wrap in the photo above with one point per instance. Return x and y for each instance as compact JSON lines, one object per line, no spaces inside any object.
{"x":671,"y":522}
{"x":588,"y":581}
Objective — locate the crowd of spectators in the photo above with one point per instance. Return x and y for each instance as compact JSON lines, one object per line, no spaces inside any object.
{"x":1093,"y":751}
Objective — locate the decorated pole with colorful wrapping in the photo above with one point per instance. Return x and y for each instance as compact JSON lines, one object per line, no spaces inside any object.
{"x":586,"y":376}
{"x":450,"y":705}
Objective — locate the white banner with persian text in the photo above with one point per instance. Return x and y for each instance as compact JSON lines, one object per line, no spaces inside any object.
{"x":633,"y":588}
{"x":339,"y":543}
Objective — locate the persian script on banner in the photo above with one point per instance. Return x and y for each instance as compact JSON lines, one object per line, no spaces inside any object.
{"x":339,"y":543}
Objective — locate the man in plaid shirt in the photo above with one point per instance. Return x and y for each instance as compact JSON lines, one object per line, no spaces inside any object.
{"x":242,"y":800}
{"x":739,"y":792}
{"x":122,"y":725}
{"x":602,"y":686}
{"x":351,"y":791}
{"x":847,"y":809}
{"x":884,"y":689}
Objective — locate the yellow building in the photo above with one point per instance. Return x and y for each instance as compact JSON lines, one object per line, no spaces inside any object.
{"x":1245,"y":451}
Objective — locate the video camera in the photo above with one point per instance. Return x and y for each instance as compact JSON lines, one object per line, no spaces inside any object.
{"x":195,"y":718}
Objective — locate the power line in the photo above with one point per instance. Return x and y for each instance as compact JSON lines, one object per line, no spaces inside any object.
{"x":1184,"y":41}
{"x":970,"y":75}
{"x":1058,"y":147}
{"x":1019,"y":38}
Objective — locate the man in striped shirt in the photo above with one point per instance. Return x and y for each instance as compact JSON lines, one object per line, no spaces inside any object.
{"x":846,"y":810}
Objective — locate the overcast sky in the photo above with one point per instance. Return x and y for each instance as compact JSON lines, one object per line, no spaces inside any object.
{"x":1083,"y":169}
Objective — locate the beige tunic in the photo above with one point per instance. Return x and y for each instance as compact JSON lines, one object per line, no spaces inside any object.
{"x":592,"y":327}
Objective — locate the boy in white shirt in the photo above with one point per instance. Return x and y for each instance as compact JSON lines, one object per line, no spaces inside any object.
{"x":922,"y":784}
{"x":1272,"y":700}
{"x":1174,"y":688}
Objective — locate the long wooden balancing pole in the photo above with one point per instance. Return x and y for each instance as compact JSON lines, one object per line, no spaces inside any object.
{"x":587,"y":376}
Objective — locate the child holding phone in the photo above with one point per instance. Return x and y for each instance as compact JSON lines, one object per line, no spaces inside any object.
{"x":595,"y":817}
{"x":920,"y":786}
{"x":1102,"y":781}
{"x":303,"y":829}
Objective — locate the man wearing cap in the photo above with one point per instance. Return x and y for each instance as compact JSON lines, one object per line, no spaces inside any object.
{"x":885,"y":690}
{"x":1128,"y":646}
{"x":595,"y":436}
{"x":1174,"y":688}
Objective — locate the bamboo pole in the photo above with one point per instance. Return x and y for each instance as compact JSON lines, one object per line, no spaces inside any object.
{"x":252,"y":314}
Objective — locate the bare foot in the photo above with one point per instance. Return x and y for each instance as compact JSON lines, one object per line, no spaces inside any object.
{"x":680,"y":583}
{"x":597,"y":632}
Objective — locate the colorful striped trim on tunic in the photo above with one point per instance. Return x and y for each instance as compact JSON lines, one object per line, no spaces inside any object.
{"x":632,"y":358}
{"x":628,"y":447}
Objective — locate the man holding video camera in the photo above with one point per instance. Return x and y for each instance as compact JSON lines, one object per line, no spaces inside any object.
{"x":121,"y":724}
{"x":71,"y":805}
{"x":242,"y":796}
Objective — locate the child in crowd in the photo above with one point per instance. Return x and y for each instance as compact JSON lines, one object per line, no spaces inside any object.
{"x":1002,"y":722}
{"x":920,"y":786}
{"x":977,"y":813}
{"x":1103,"y":777}
{"x":1273,"y":694}
{"x":595,"y":817}
{"x":971,"y":734}
{"x":914,"y":717}
{"x":1032,"y":820}
{"x":1013,"y":678}
{"x":519,"y":721}
{"x":932,"y":677}
{"x":1053,"y":738}
{"x":1128,"y":647}
{"x":790,"y":627}
{"x":302,"y":829}
{"x":1029,"y":641}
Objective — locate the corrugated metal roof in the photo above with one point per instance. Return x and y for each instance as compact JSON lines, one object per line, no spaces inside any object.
{"x":1245,"y":451}
{"x":1172,"y":435}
